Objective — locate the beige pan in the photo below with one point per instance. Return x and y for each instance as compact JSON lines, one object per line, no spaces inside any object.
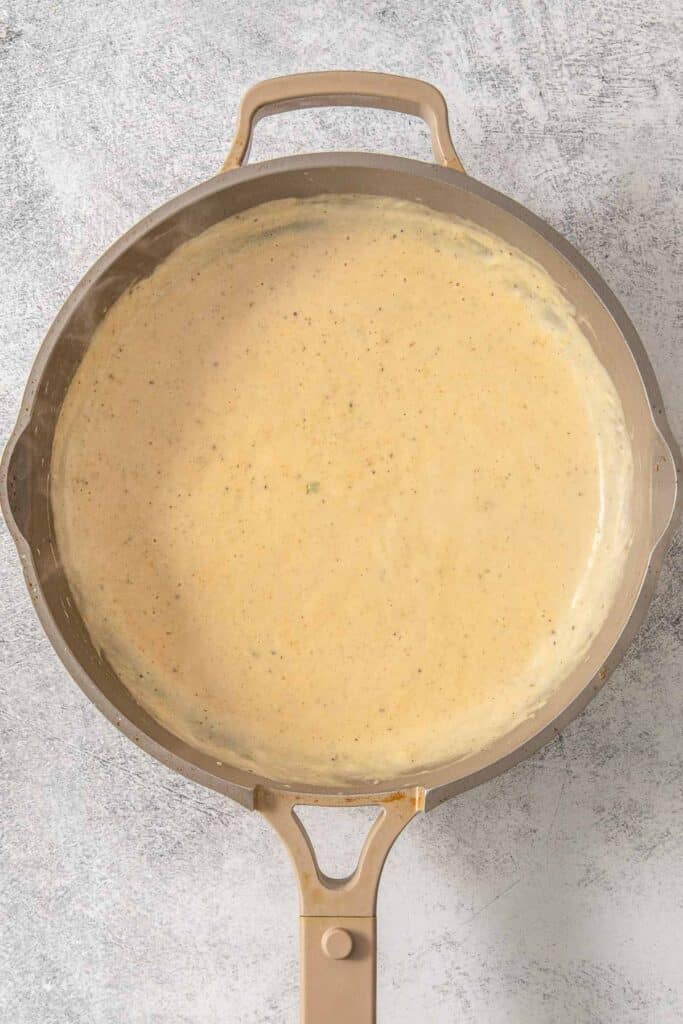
{"x":338,"y":916}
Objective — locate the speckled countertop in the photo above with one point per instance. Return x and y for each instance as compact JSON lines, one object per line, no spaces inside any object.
{"x":552,"y":894}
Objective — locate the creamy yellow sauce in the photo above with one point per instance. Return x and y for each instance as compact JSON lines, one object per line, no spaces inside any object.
{"x":341,"y":489}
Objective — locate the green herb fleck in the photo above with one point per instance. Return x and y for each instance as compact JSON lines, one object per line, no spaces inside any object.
{"x":312,"y":487}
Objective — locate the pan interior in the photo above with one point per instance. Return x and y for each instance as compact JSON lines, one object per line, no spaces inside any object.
{"x":341,"y":490}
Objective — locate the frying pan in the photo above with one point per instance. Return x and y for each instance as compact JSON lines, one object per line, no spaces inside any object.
{"x":338,"y":927}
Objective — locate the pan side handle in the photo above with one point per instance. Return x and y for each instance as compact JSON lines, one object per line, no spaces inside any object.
{"x":344,"y":89}
{"x":338,"y":923}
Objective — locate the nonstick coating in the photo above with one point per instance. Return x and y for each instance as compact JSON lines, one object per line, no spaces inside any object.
{"x":25,"y":473}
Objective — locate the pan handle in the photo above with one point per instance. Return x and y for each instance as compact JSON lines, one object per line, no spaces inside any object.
{"x":344,"y":89}
{"x":338,"y":923}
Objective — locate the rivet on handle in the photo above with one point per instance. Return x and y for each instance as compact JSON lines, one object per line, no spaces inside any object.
{"x":337,"y":943}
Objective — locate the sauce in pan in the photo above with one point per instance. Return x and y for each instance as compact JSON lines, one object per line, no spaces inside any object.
{"x":341,"y":489}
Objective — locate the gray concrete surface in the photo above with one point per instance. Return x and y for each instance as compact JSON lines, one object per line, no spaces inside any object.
{"x":127,"y":894}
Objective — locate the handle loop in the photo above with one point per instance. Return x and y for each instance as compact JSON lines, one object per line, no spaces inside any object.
{"x":339,"y":89}
{"x":338,"y":925}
